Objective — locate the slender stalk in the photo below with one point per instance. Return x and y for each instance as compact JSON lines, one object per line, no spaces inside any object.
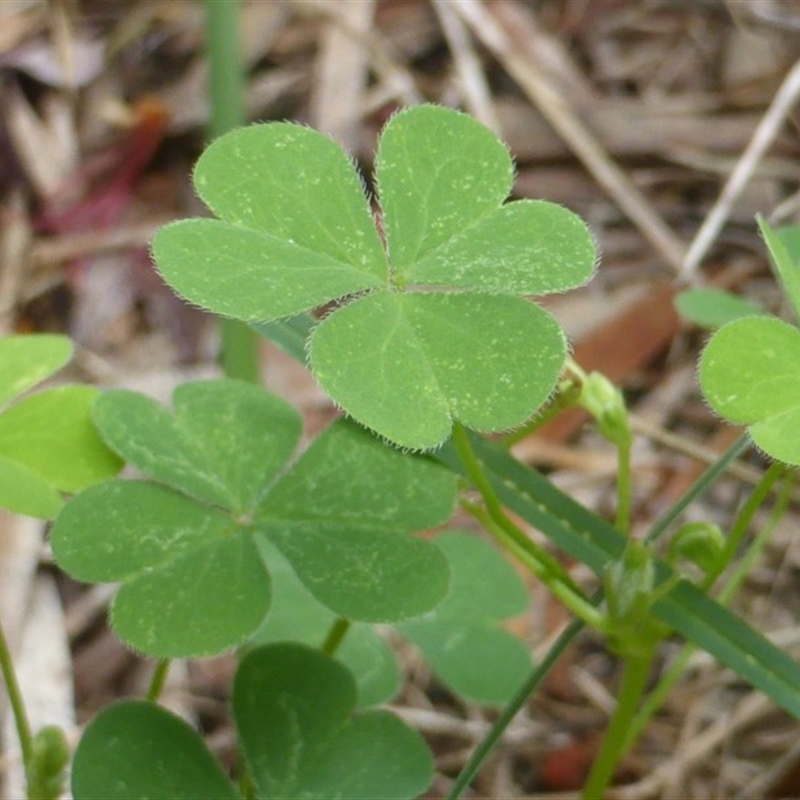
{"x":563,"y":400}
{"x":538,"y":560}
{"x":226,"y":92}
{"x":15,"y":698}
{"x":634,"y":680}
{"x":756,"y":499}
{"x":158,"y":680}
{"x":570,"y":596}
{"x":335,"y":636}
{"x":532,"y":682}
{"x":658,"y":696}
{"x":623,"y":520}
{"x":698,"y":487}
{"x":494,"y":507}
{"x":755,"y":550}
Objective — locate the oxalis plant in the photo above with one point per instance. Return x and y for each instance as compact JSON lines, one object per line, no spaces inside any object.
{"x":415,"y":317}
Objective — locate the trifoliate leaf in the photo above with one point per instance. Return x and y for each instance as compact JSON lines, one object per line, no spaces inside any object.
{"x":186,"y":545}
{"x":295,"y":232}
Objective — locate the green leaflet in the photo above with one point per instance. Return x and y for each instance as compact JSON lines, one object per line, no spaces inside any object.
{"x":136,"y":750}
{"x":186,"y":544}
{"x":438,"y":173}
{"x":783,"y":245}
{"x":293,"y":708}
{"x":296,"y":616}
{"x":224,"y":443}
{"x":47,"y":441}
{"x":295,"y":232}
{"x":398,"y":362}
{"x":711,"y":308}
{"x":749,"y":374}
{"x":749,"y":369}
{"x":27,"y":360}
{"x":462,"y":637}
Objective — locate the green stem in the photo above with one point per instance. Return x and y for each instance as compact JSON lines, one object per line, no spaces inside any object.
{"x":706,"y":479}
{"x":565,"y":591}
{"x":532,"y":682}
{"x":226,"y":89}
{"x":562,"y":401}
{"x":545,"y":566}
{"x":623,"y":521}
{"x":494,"y":507}
{"x":239,"y":351}
{"x":158,"y":680}
{"x":660,"y":693}
{"x":634,"y":680}
{"x":15,"y":698}
{"x":335,"y":636}
{"x":756,"y":499}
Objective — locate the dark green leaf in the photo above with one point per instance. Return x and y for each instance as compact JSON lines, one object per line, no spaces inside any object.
{"x":138,"y":751}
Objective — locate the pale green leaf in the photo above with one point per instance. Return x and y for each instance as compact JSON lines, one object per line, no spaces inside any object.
{"x":295,"y":184}
{"x":250,"y":275}
{"x":712,"y":308}
{"x":484,"y":585}
{"x":438,"y":172}
{"x":52,"y":433}
{"x":783,"y":245}
{"x":136,"y":750}
{"x":749,"y":374}
{"x":25,"y":491}
{"x":407,"y":365}
{"x":527,"y":247}
{"x":225,"y":442}
{"x":476,"y":659}
{"x":293,"y":710}
{"x":27,"y":360}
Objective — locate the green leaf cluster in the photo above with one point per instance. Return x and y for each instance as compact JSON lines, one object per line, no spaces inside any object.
{"x":429,"y":323}
{"x":48,"y":444}
{"x":184,"y":541}
{"x":299,"y":735}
